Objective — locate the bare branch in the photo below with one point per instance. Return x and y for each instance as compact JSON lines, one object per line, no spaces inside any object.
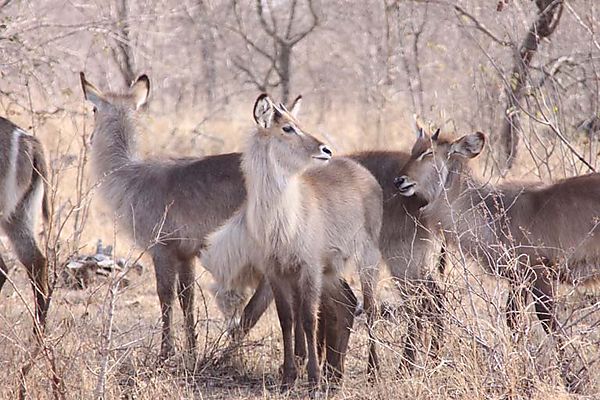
{"x":476,"y":23}
{"x":480,"y":27}
{"x":263,"y":22}
{"x":290,"y":23}
{"x":549,"y":14}
{"x":121,"y":51}
{"x":314,"y":24}
{"x":240,"y":31}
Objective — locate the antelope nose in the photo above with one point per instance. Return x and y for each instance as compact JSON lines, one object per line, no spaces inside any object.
{"x":399,"y":181}
{"x":325,"y":150}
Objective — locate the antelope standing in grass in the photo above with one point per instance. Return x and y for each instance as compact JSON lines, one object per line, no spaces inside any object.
{"x":168,"y":205}
{"x":307,"y":215}
{"x":23,"y":180}
{"x":406,"y":246}
{"x":534,"y":234}
{"x":171,"y":206}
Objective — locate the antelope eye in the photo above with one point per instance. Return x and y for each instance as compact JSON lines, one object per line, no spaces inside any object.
{"x":95,"y":109}
{"x":288,"y":129}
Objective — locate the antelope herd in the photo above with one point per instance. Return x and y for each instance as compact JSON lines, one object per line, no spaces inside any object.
{"x":285,"y":218}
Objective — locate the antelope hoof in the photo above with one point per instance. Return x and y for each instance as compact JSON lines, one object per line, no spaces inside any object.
{"x":333,"y":376}
{"x":288,"y":380}
{"x":166,"y":352}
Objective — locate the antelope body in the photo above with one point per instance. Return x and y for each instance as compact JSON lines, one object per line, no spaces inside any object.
{"x":527,"y":233}
{"x":169,"y":206}
{"x":305,"y":218}
{"x":406,"y":246}
{"x":178,"y":202}
{"x":23,"y":179}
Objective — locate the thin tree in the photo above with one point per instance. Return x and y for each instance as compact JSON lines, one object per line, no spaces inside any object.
{"x":122,"y":50}
{"x":282,"y":38}
{"x":549,"y":13}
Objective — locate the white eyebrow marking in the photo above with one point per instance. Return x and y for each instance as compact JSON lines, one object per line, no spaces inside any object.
{"x":425,"y":153}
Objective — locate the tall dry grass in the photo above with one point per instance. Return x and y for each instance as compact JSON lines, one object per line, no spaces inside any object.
{"x":105,"y":338}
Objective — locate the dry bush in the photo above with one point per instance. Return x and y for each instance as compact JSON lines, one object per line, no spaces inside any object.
{"x":366,"y":68}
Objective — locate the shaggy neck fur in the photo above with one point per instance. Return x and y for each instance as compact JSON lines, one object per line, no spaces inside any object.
{"x":273,"y":195}
{"x":113,"y":141}
{"x":113,"y":147}
{"x":460,"y":192}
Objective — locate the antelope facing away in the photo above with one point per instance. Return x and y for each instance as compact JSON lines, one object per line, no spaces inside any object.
{"x":168,"y":206}
{"x":171,"y":206}
{"x":530,"y":234}
{"x":23,"y":180}
{"x":306,"y":216}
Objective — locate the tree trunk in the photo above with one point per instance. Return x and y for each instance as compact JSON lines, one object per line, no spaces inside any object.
{"x":285,"y":52}
{"x":546,"y":22}
{"x":122,"y":51}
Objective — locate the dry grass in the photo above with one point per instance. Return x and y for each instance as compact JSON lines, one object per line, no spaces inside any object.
{"x":478,"y":359}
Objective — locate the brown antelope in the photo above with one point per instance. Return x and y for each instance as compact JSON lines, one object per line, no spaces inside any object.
{"x":168,"y":205}
{"x":536,"y":234}
{"x":306,"y":216}
{"x":406,"y":246}
{"x":171,"y":206}
{"x":23,"y":180}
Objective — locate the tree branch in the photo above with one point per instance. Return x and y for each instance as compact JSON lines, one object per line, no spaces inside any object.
{"x":480,"y":27}
{"x":290,"y":23}
{"x":240,"y":31}
{"x":314,"y":24}
{"x":549,"y":14}
{"x":263,"y":22}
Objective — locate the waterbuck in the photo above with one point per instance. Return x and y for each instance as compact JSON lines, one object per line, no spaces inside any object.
{"x":23,"y":192}
{"x":171,"y":206}
{"x":534,"y":234}
{"x":166,"y":205}
{"x":306,"y":216}
{"x":407,"y":248}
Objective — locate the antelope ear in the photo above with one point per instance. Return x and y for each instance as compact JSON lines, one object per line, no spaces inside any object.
{"x":264,"y":110}
{"x":140,"y":89}
{"x":468,"y":146}
{"x":295,"y":107}
{"x":436,"y":135}
{"x":419,"y":127}
{"x":90,"y":92}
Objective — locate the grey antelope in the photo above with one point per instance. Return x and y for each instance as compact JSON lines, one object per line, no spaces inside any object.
{"x":534,"y":234}
{"x":307,"y":215}
{"x":166,"y":205}
{"x":23,"y":189}
{"x":171,"y":206}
